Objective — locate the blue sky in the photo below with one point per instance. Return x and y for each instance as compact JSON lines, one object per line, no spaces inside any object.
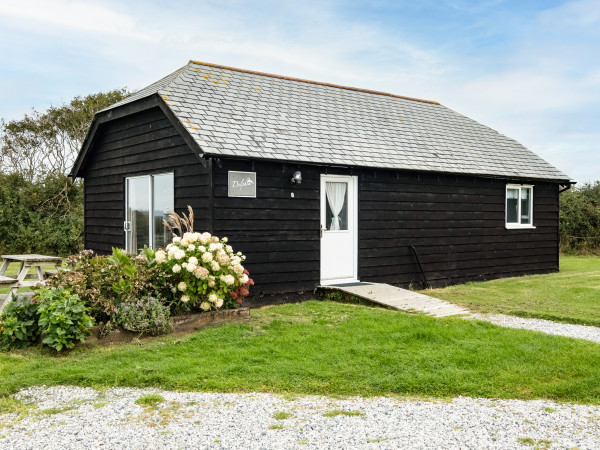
{"x":529,"y":69}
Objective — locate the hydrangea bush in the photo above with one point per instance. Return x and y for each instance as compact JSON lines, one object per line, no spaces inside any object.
{"x":206,"y":271}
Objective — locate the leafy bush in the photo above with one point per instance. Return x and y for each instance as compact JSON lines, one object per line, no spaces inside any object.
{"x":63,"y":318}
{"x":43,"y":216}
{"x":146,"y":316}
{"x":19,"y":323}
{"x":103,"y":282}
{"x":205,"y":270}
{"x":580,"y":219}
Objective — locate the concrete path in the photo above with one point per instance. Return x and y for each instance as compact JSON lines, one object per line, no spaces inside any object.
{"x":400,"y":299}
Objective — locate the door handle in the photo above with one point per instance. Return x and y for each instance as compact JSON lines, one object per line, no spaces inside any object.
{"x":322,"y":229}
{"x":126,"y":226}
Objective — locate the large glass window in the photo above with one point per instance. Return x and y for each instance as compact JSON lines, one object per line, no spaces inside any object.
{"x":147,"y":200}
{"x":519,"y":206}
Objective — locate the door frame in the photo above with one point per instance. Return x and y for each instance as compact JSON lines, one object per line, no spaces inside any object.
{"x":351,"y":220}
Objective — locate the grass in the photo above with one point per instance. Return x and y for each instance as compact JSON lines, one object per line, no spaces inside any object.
{"x":341,"y":412}
{"x":570,"y":296}
{"x":331,"y":349}
{"x":150,"y":400}
{"x":282,"y":415}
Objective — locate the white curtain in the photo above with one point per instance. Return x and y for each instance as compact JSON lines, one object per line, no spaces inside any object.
{"x":336,"y":192}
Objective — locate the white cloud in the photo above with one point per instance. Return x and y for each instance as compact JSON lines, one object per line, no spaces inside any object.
{"x":73,"y":16}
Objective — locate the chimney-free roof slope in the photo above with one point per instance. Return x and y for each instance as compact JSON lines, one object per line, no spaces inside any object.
{"x":240,"y":113}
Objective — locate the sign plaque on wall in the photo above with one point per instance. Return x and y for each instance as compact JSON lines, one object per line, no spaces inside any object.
{"x":242,"y":184}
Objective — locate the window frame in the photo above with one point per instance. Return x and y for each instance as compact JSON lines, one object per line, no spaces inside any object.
{"x":126,"y":223}
{"x":518,"y":225}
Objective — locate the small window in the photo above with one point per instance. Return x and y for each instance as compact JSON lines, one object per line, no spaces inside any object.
{"x":519,"y":206}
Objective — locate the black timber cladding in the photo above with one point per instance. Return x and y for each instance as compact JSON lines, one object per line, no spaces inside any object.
{"x":456,"y":224}
{"x":138,"y":144}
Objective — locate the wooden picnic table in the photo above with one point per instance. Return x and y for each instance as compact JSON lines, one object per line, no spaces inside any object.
{"x":23,"y":278}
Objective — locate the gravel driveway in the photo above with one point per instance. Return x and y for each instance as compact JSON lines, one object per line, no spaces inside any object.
{"x":69,"y":417}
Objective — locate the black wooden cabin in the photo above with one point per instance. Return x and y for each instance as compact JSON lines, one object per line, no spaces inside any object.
{"x":317,"y":183}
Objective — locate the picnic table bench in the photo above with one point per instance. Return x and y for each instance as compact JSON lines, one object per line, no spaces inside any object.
{"x":23,"y":278}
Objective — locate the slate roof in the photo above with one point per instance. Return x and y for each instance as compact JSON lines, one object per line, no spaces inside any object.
{"x":239,"y":113}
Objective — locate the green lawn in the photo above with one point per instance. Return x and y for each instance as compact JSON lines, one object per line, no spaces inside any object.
{"x":329,"y":348}
{"x":571,"y":295}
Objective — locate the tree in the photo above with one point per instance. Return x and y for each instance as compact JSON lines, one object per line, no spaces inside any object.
{"x":580,"y":219}
{"x":45,"y":143}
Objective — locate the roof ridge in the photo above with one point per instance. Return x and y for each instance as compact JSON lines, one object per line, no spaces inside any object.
{"x":320,"y":83}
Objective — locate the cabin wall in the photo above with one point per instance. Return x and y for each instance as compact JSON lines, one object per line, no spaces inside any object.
{"x":138,"y":144}
{"x":455,"y":223}
{"x":278,"y":234}
{"x":457,"y":226}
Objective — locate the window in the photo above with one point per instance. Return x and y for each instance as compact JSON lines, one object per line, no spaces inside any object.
{"x":147,"y":199}
{"x":519,"y":206}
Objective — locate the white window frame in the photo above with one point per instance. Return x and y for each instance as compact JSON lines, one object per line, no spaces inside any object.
{"x":127,"y":223}
{"x":518,"y":225}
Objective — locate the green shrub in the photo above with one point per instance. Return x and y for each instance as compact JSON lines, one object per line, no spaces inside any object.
{"x":145,"y":316}
{"x":580,"y":219}
{"x":63,"y":318}
{"x":19,"y":323}
{"x":103,"y":282}
{"x":44,"y":216}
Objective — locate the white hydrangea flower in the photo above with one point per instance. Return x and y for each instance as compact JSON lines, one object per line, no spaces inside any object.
{"x":228,"y":279}
{"x":193,"y":260}
{"x":223,"y":258}
{"x":185,"y":298}
{"x":207,"y":257}
{"x":182,"y":286}
{"x":173,"y":250}
{"x":202,"y":249}
{"x":184,"y":266}
{"x":205,"y":306}
{"x":197,"y":236}
{"x":205,"y":238}
{"x":185,"y":242}
{"x":229,"y":249}
{"x":176,"y":268}
{"x":191,"y":248}
{"x":239,"y":253}
{"x":169,"y":247}
{"x":191,"y":267}
{"x":214,"y":265}
{"x":160,"y":256}
{"x":211,"y":283}
{"x":214,"y":239}
{"x":244,"y":279}
{"x":212,"y":298}
{"x":214,"y":247}
{"x":201,"y":272}
{"x":219,"y":302}
{"x":176,"y":239}
{"x":225,"y":239}
{"x":180,"y":254}
{"x":238,"y":269}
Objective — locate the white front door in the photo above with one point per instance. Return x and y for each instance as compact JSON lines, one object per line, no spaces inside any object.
{"x":339,"y":227}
